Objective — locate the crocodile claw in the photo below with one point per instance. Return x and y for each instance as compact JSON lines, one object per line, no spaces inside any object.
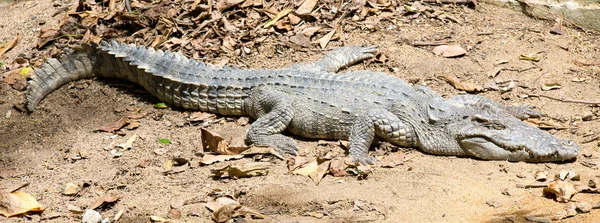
{"x":364,"y":160}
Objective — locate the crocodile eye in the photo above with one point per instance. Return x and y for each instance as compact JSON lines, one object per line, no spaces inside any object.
{"x":495,"y":125}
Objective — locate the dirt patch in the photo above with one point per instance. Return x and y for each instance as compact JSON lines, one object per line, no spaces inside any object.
{"x":43,"y":146}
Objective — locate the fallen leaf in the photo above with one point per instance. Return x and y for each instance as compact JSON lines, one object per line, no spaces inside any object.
{"x":200,"y":116}
{"x":10,"y":45}
{"x":394,"y":160}
{"x":245,"y":170}
{"x":261,"y":150}
{"x":562,"y":191}
{"x":47,"y":35}
{"x":213,"y":142}
{"x":114,"y":126}
{"x":174,"y":214}
{"x":338,"y":168}
{"x":449,"y":51}
{"x":307,"y":170}
{"x":468,"y":87}
{"x":18,"y":203}
{"x":315,"y":170}
{"x":228,"y":212}
{"x":277,"y":17}
{"x":531,"y":57}
{"x":164,"y":141}
{"x":306,"y":7}
{"x":323,"y":41}
{"x":129,"y":144}
{"x":223,"y":5}
{"x":160,"y":105}
{"x":551,"y":86}
{"x":210,"y":159}
{"x":557,"y":28}
{"x":310,"y":31}
{"x":104,"y":200}
{"x":133,"y":124}
{"x":296,"y":161}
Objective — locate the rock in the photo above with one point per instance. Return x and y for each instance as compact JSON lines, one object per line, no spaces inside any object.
{"x":587,"y":116}
{"x":583,"y":207}
{"x":91,"y":216}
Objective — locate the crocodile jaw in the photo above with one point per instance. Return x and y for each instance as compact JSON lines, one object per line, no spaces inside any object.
{"x":489,"y":149}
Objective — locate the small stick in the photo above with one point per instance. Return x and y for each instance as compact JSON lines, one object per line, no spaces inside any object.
{"x":533,"y":185}
{"x":565,"y":99}
{"x":128,"y":5}
{"x":473,"y":2}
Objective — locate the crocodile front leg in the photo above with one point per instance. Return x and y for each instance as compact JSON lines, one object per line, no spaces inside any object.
{"x":382,"y":123}
{"x":339,"y":58}
{"x":273,"y":113}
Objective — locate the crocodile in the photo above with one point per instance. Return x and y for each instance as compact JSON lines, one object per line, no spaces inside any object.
{"x":314,"y":100}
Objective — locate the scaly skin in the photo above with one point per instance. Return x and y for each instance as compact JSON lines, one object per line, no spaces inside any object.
{"x":310,"y":100}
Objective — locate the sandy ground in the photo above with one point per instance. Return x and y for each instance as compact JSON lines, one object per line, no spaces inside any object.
{"x":39,"y":147}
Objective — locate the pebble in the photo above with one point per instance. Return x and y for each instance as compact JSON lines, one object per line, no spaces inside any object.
{"x":91,"y":216}
{"x":583,"y":207}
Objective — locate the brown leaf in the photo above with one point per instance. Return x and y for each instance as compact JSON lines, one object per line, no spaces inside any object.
{"x":468,"y":87}
{"x":46,"y":35}
{"x":394,"y":160}
{"x":310,"y":31}
{"x":228,"y":212}
{"x":297,"y":161}
{"x":261,"y":150}
{"x":449,"y":51}
{"x":114,"y":126}
{"x":10,"y":45}
{"x":338,"y":168}
{"x":245,"y":170}
{"x":106,"y":199}
{"x":200,"y":116}
{"x":174,"y":214}
{"x":213,"y":142}
{"x":18,"y":203}
{"x":300,"y":40}
{"x":210,"y":159}
{"x":306,"y":7}
{"x":223,"y":5}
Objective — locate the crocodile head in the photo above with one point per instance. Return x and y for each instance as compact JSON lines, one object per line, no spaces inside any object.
{"x":491,"y":133}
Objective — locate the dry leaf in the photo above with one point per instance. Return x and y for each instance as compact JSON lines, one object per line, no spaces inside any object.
{"x":323,"y":41}
{"x":210,"y":159}
{"x":563,"y":191}
{"x":338,"y":168}
{"x":10,"y":45}
{"x":310,"y":31}
{"x":213,"y":142}
{"x":114,"y":126}
{"x":306,"y":7}
{"x":261,"y":150}
{"x":449,"y":51}
{"x":308,"y":169}
{"x":46,"y":35}
{"x":531,"y":57}
{"x":468,"y":87}
{"x":129,"y":144}
{"x":297,"y":161}
{"x":174,"y":214}
{"x":18,"y":203}
{"x":200,"y":116}
{"x":228,"y":212}
{"x":246,"y":170}
{"x":394,"y":160}
{"x":106,"y":199}
{"x":223,"y":5}
{"x":279,"y":15}
{"x":314,"y":170}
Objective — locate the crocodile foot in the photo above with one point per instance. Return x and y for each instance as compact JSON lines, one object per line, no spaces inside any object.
{"x":364,"y":159}
{"x":281,"y":143}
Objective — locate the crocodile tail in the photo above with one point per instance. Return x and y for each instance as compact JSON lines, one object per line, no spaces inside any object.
{"x":73,"y":65}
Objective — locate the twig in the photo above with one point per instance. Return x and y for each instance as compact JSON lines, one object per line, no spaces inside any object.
{"x":565,"y":99}
{"x":128,"y":5}
{"x":419,"y":43}
{"x":533,"y":185}
{"x":579,"y":63}
{"x":472,"y":2}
